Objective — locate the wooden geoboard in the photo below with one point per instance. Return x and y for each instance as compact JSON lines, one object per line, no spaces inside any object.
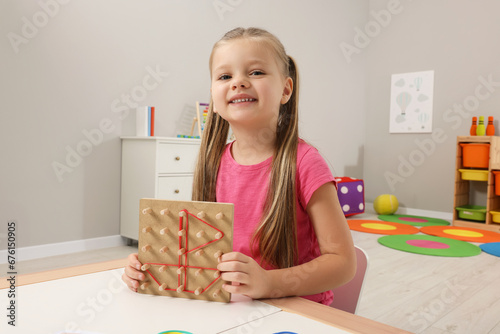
{"x":179,"y":246}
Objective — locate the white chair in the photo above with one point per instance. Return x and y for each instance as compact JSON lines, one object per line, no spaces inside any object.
{"x":346,"y":297}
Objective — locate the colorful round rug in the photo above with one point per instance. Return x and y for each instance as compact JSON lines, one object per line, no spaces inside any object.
{"x":462,"y":233}
{"x":413,"y":220}
{"x":380,"y":227}
{"x":492,"y":248}
{"x":430,"y":245}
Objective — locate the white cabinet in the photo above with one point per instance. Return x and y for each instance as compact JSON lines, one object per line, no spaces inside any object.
{"x":154,"y":167}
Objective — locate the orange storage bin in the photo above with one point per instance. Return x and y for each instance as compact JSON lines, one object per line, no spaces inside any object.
{"x":475,"y":155}
{"x":497,"y":182}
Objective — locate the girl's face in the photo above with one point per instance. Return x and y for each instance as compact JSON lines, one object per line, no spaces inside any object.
{"x":248,"y":86}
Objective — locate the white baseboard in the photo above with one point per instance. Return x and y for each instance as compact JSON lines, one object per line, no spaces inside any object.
{"x":61,"y":248}
{"x":416,"y":212}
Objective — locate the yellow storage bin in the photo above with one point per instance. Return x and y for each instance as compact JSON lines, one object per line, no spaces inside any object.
{"x":474,"y":174}
{"x":495,"y":216}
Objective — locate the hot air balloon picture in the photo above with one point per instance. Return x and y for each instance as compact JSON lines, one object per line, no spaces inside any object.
{"x":403,"y":100}
{"x":418,"y":83}
{"x":411,"y":102}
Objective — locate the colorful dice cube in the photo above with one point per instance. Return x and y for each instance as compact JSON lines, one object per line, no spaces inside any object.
{"x":351,"y":193}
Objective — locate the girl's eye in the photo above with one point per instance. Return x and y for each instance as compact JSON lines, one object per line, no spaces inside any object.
{"x":256,"y":73}
{"x":224,"y":77}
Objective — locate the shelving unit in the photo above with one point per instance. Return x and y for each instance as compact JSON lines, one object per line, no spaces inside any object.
{"x":463,"y":187}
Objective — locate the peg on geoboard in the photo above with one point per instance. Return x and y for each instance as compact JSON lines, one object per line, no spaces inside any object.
{"x":182,"y":214}
{"x":200,"y":234}
{"x":181,"y":270}
{"x":198,"y":291}
{"x":199,"y":252}
{"x":198,"y":271}
{"x":146,"y":211}
{"x":145,"y":285}
{"x":181,"y":232}
{"x":218,"y":235}
{"x":216,"y":293}
{"x":164,"y":249}
{"x":181,"y":251}
{"x":180,"y":288}
{"x":216,"y":274}
{"x":164,"y":231}
{"x":145,"y":267}
{"x":164,"y":212}
{"x":162,"y":287}
{"x":145,"y":248}
{"x":218,"y":254}
{"x":201,"y":214}
{"x":219,"y":215}
{"x":147,"y":229}
{"x":162,"y":269}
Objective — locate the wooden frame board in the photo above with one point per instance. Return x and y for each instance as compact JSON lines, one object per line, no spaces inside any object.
{"x":180,"y":243}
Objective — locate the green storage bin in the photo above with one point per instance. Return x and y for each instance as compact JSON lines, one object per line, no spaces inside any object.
{"x":472,"y":212}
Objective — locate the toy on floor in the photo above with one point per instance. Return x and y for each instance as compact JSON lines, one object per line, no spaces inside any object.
{"x":180,"y":243}
{"x":381,"y":227}
{"x":351,"y":194}
{"x":430,"y":245}
{"x":492,"y":248}
{"x":386,"y":204}
{"x":413,"y":220}
{"x":462,"y":233}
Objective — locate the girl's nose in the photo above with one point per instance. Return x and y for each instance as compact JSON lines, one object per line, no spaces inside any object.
{"x":239,"y":82}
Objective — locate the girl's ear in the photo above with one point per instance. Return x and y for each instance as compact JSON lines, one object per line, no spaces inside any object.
{"x":287,"y":90}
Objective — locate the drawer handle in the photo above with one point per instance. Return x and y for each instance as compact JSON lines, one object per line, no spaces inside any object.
{"x":176,"y":191}
{"x":177,"y":158}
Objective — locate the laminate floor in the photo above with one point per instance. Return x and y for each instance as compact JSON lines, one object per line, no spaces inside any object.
{"x":418,"y":293}
{"x":429,"y":294}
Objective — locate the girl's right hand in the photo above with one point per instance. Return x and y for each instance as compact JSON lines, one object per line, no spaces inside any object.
{"x":133,"y":273}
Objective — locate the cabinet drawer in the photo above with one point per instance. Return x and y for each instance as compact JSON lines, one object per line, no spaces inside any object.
{"x":175,"y":188}
{"x":176,"y":158}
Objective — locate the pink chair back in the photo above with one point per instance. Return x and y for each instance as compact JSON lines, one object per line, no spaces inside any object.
{"x":346,"y":297}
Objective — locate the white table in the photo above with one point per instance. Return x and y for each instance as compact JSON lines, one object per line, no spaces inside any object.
{"x":92,"y":298}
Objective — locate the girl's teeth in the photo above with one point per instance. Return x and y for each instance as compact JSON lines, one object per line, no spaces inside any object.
{"x":242,"y":100}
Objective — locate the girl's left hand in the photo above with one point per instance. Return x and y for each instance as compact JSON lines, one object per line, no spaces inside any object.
{"x":247,"y":276}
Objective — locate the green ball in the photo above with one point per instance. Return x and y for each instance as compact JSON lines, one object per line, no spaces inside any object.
{"x":386,"y":204}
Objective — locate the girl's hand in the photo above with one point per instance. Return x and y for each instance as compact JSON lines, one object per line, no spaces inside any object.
{"x":133,"y":273}
{"x":247,"y":276}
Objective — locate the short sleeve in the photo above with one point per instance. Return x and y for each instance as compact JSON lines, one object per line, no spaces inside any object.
{"x":312,"y":173}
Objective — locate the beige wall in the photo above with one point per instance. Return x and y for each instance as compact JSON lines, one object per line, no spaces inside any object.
{"x":459,"y":41}
{"x":69,"y":69}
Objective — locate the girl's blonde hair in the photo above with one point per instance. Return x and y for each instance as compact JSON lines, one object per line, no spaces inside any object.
{"x":276,"y":235}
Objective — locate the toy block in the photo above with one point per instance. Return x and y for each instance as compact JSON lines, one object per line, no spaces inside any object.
{"x":180,"y":247}
{"x":351,"y":194}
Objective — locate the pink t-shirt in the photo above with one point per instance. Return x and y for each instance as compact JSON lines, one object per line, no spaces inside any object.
{"x":246,"y":187}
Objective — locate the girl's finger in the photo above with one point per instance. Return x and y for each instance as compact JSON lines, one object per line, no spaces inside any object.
{"x":237,"y":289}
{"x":235,"y":277}
{"x":234,"y":256}
{"x":134,"y":274}
{"x":232,"y":266}
{"x":134,"y":262}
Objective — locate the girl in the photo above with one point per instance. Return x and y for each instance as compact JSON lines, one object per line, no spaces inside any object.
{"x":290,"y":235}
